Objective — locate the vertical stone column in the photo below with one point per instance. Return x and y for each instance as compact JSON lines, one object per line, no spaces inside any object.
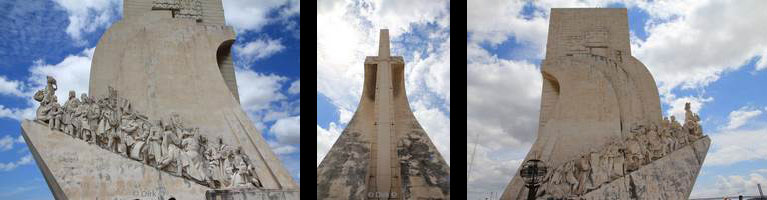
{"x":383,"y":117}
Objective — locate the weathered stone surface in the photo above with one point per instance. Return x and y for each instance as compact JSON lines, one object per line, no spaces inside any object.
{"x":76,"y":170}
{"x":168,"y":65}
{"x":383,"y":152}
{"x":251,"y":194}
{"x":169,"y":59}
{"x":600,"y":115}
{"x":671,"y":177}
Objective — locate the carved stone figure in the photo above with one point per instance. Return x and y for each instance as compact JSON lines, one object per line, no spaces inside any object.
{"x":129,"y":132}
{"x":70,"y":111}
{"x":215,"y":156}
{"x":154,"y":144}
{"x":616,"y":159}
{"x":570,"y":177}
{"x":584,"y":174}
{"x":94,"y":116}
{"x":172,"y":151}
{"x":679,"y":136}
{"x":600,"y":167}
{"x":194,"y":164}
{"x":655,"y":143}
{"x":55,"y":114}
{"x":634,"y":154}
{"x":242,"y":175}
{"x":44,"y":96}
{"x":110,"y":124}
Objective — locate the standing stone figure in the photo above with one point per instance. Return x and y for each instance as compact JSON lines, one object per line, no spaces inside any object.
{"x":242,"y":175}
{"x":600,"y":167}
{"x":94,"y":115}
{"x":679,"y":135}
{"x":655,"y":143}
{"x":154,"y":144}
{"x":44,"y":96}
{"x":584,"y":174}
{"x":55,"y":114}
{"x":194,"y":164}
{"x":172,"y":152}
{"x":70,"y":110}
{"x":129,"y":131}
{"x":110,"y":122}
{"x":216,"y":157}
{"x":616,"y":159}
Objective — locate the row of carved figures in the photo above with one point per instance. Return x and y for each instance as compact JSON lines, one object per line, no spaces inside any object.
{"x":620,"y":157}
{"x":112,"y":124}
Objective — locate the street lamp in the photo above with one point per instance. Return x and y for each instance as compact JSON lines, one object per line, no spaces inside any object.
{"x":532,"y":173}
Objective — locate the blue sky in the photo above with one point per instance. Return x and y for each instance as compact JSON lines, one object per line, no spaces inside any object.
{"x":56,"y":37}
{"x":695,"y":51}
{"x":348,"y":31}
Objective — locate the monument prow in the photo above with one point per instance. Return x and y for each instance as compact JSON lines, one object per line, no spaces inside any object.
{"x":171,"y":61}
{"x":600,"y":116}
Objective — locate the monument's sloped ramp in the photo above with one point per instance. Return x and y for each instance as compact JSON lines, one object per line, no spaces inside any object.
{"x":678,"y":169}
{"x":79,"y":169}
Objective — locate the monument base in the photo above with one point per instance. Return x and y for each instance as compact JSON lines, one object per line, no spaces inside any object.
{"x":75,"y":169}
{"x":670,"y":177}
{"x":251,"y":194}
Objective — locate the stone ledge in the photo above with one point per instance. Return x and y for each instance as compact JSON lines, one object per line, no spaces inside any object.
{"x":75,"y":169}
{"x":251,"y":194}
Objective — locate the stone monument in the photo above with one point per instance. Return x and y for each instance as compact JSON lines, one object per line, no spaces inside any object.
{"x":161,"y":120}
{"x":383,"y":153}
{"x":601,"y":131}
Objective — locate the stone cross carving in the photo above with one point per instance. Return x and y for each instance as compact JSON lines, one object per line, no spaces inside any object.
{"x":191,"y":9}
{"x":111,"y":124}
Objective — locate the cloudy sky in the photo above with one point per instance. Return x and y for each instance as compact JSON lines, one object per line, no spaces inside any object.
{"x":709,"y":53}
{"x":347,"y":31}
{"x":57,"y":37}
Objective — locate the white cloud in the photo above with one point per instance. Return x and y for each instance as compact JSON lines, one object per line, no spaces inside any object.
{"x":495,"y":21}
{"x":258,"y":91}
{"x":488,"y":174}
{"x":325,"y":140}
{"x":13,"y":165}
{"x":500,"y":126}
{"x":85,"y":16}
{"x":287,"y":130}
{"x":676,"y":105}
{"x":398,"y":16}
{"x":732,"y":185}
{"x":734,"y":146}
{"x":17,"y":113}
{"x":253,"y":15}
{"x":739,"y":117}
{"x":6,"y":143}
{"x":431,"y":74}
{"x":10,"y":87}
{"x":295,"y":87}
{"x":284,"y":149}
{"x":701,"y":43}
{"x":71,"y":74}
{"x":20,"y":140}
{"x":258,"y":49}
{"x":503,"y":120}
